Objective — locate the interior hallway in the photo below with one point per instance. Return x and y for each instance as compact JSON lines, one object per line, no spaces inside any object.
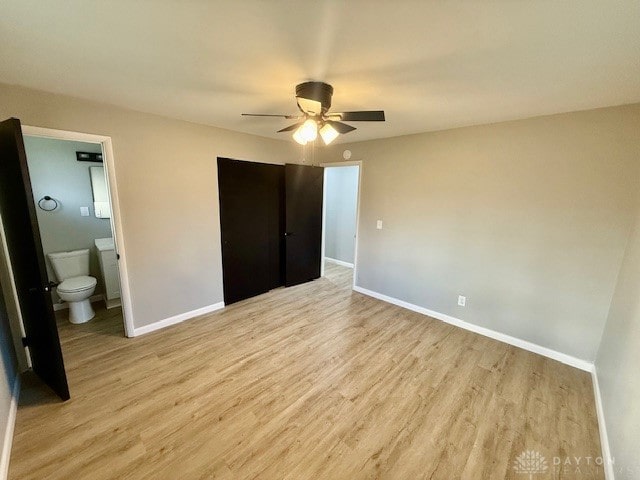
{"x":307,"y":382}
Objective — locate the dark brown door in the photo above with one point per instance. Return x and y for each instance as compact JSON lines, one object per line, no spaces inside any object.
{"x":251,"y":227}
{"x":303,"y":199}
{"x":18,"y":213}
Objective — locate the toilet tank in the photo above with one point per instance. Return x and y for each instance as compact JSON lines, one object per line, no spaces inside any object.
{"x":70,"y":264}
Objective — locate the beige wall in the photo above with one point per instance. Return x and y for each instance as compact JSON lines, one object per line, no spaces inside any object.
{"x":618,"y":362}
{"x":527,"y":219}
{"x":167,"y":182}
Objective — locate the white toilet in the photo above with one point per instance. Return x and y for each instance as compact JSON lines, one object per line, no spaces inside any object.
{"x":76,"y":286}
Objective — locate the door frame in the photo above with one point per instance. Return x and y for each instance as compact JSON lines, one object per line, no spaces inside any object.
{"x":116,"y":217}
{"x":355,"y":163}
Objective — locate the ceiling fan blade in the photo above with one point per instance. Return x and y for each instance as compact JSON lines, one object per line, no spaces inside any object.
{"x":364,"y":116}
{"x":308,"y":106}
{"x":289,"y":117}
{"x":341,"y":127}
{"x":290,"y":127}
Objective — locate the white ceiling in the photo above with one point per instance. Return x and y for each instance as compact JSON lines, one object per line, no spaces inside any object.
{"x":430,"y":65}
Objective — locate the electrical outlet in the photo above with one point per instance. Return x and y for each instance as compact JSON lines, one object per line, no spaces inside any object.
{"x":462,"y":301}
{"x":84,"y":211}
{"x":379,"y":224}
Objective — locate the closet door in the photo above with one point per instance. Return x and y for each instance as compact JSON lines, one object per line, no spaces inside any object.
{"x":303,"y":230}
{"x":251,"y":223}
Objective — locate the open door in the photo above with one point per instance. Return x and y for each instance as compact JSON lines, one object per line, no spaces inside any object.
{"x":303,"y":230}
{"x":18,"y":213}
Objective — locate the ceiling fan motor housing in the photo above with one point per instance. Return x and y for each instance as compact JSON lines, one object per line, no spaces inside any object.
{"x":318,"y":91}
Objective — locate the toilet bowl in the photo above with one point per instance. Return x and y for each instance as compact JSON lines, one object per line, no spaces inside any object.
{"x":76,"y":286}
{"x":77,"y":291}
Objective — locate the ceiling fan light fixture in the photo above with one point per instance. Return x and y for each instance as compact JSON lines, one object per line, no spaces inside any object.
{"x":307,"y":132}
{"x":328,"y":133}
{"x":297,"y":136}
{"x":314,"y":102}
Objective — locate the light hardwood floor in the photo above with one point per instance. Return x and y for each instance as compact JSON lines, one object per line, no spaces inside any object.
{"x":309,"y":382}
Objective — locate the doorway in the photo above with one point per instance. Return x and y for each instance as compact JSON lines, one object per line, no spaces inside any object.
{"x":73,"y":187}
{"x":107,"y":258}
{"x":73,"y":212}
{"x":340,"y":219}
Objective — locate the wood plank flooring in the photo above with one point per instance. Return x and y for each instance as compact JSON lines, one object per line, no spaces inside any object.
{"x":309,"y":382}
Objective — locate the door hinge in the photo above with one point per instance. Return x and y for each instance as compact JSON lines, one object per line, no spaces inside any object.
{"x":25,"y":342}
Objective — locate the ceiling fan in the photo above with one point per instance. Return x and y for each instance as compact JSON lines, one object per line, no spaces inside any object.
{"x":314,"y":102}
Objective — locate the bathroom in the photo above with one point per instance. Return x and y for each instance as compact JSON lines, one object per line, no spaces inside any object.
{"x":70,"y":192}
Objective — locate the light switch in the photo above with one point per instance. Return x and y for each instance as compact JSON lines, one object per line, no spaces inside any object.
{"x":379,"y":224}
{"x":84,"y":211}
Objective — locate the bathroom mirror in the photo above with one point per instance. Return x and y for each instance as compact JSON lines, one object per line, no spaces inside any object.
{"x":100,"y":194}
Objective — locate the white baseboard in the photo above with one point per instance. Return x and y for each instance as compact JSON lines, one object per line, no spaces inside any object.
{"x":338,"y":262}
{"x":177,"y":319}
{"x":65,"y":305}
{"x":602,"y":427}
{"x":113,"y":302}
{"x":501,"y":337}
{"x":8,"y":433}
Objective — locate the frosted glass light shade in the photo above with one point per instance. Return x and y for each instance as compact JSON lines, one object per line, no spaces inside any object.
{"x":328,"y":133}
{"x":309,"y":130}
{"x":297,"y":136}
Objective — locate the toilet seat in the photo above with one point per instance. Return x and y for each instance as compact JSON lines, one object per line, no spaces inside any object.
{"x":77,"y":284}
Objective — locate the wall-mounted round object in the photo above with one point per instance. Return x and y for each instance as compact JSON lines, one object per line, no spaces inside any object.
{"x":47,"y":203}
{"x":346,"y":154}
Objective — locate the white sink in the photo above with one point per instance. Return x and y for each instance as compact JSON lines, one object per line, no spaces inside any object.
{"x":104,"y":244}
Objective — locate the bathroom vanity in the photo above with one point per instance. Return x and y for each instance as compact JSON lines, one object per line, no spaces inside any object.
{"x":109,"y":267}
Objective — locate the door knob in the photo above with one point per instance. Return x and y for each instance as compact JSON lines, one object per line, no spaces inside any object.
{"x":46,"y":288}
{"x":49,"y":286}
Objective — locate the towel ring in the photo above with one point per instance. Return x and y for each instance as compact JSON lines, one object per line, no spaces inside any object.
{"x":47,"y":198}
